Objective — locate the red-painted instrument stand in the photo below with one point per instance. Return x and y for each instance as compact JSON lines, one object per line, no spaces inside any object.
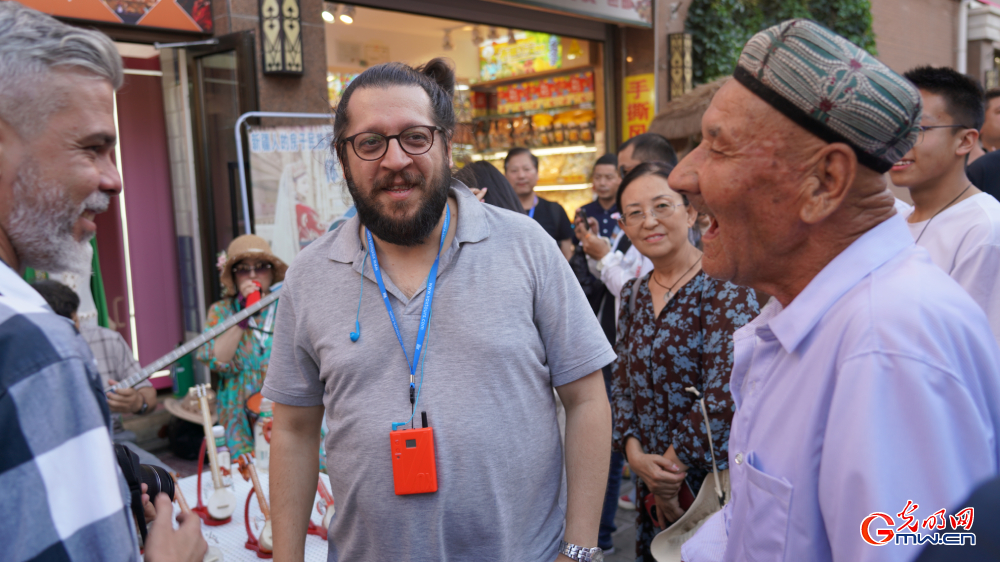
{"x":317,"y":530}
{"x":252,"y":543}
{"x":200,"y":509}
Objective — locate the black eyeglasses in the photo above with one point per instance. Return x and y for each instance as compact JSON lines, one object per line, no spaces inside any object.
{"x":247,"y":269}
{"x":372,"y":146}
{"x":623,"y":172}
{"x":923,"y":129}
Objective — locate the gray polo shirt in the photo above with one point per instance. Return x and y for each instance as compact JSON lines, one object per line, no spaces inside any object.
{"x":509,"y":322}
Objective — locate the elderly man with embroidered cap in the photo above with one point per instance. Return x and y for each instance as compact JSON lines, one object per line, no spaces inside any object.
{"x":870,"y":379}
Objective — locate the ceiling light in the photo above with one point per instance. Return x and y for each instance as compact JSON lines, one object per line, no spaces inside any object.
{"x":628,"y":59}
{"x":347,"y":14}
{"x":511,"y":40}
{"x":461,"y":86}
{"x":467,"y":28}
{"x":493,"y":34}
{"x":328,"y":17}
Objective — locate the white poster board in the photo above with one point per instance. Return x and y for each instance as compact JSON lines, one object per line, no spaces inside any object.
{"x":297,"y":184}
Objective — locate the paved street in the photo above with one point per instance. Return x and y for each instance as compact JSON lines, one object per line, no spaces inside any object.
{"x":624,"y":537}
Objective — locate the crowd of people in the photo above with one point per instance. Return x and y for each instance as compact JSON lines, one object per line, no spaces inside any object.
{"x":760,"y":322}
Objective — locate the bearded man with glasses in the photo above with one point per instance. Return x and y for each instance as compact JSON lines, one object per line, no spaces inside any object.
{"x":361,"y":337}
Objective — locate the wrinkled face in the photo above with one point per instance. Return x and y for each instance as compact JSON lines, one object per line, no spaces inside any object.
{"x":400,"y":196}
{"x":606,"y":181}
{"x":626,"y":161}
{"x":52,"y":184}
{"x":938,"y":152}
{"x":522,"y":174}
{"x":742,"y":177}
{"x":664,"y":230}
{"x":991,"y":127}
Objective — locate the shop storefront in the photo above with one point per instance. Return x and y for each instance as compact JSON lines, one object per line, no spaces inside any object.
{"x":526,"y":78}
{"x":542,"y":74}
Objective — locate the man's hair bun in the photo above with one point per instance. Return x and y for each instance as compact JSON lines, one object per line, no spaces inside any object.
{"x":442,"y":71}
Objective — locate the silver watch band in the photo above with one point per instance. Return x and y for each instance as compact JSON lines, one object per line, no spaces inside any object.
{"x":581,"y":554}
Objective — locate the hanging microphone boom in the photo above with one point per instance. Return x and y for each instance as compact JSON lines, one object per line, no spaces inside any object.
{"x":194,"y":344}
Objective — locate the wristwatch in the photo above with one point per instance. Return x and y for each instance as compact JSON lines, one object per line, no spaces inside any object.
{"x":576,"y":552}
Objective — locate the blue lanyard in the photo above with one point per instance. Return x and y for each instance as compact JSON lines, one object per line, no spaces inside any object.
{"x":428,"y":296}
{"x":531,"y":213}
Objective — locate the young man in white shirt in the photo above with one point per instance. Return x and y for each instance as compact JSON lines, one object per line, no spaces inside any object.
{"x":956,"y":222}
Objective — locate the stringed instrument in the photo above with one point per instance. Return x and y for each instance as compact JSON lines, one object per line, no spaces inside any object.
{"x":327,"y":498}
{"x":222,"y":503}
{"x":213,"y":554}
{"x":265,"y":540}
{"x":194,"y":344}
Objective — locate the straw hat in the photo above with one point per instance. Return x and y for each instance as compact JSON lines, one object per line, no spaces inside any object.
{"x":189,"y":409}
{"x":247,"y":246}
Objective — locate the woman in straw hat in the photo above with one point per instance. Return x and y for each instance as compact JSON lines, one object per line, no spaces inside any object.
{"x":240,"y":355}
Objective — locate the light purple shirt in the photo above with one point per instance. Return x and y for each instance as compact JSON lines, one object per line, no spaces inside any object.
{"x":877,"y":385}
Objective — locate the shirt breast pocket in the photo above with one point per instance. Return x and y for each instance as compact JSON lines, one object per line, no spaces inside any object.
{"x":768,"y":502}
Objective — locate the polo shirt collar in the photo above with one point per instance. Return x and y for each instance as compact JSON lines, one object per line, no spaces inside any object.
{"x":869,"y":252}
{"x":472,"y":227}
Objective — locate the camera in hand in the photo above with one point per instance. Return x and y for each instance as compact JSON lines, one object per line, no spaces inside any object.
{"x":156,"y":479}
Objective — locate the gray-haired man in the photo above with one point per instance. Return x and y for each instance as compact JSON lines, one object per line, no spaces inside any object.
{"x":63,"y":495}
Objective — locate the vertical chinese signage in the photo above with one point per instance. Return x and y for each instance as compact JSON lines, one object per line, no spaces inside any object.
{"x":298,"y":188}
{"x":638,"y":105}
{"x":681,"y":71}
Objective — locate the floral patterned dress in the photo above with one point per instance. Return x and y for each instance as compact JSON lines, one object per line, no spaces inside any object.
{"x":243,"y":376}
{"x":690,"y":343}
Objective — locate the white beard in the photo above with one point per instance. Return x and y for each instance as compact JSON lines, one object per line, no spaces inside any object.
{"x":40,"y":226}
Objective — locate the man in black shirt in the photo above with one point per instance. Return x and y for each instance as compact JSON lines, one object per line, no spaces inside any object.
{"x":984,"y":173}
{"x":521,"y":168}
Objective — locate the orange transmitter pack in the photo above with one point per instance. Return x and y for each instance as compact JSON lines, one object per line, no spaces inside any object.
{"x":413,"y":467}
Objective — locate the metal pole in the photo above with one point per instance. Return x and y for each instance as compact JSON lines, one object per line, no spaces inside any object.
{"x":239,"y":150}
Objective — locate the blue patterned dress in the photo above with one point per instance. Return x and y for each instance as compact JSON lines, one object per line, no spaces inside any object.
{"x":240,"y":378}
{"x":689,"y":344}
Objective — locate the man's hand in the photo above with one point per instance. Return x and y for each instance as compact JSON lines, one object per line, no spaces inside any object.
{"x":583,"y":231}
{"x":148,"y":509}
{"x":124,"y":400}
{"x":479,"y":193}
{"x":164,"y":544}
{"x":596,"y":247}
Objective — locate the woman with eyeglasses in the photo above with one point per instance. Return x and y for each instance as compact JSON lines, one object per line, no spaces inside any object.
{"x":240,"y":355}
{"x":674,"y":332}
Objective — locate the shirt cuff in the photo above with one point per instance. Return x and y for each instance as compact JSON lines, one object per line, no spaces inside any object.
{"x":611,"y":259}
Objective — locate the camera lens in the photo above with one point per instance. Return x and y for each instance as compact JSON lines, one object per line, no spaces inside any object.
{"x":157,"y":480}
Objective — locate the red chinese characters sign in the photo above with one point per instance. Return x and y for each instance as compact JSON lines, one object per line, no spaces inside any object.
{"x":638,"y":107}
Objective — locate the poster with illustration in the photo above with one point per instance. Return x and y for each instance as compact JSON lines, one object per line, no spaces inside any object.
{"x":297,"y":184}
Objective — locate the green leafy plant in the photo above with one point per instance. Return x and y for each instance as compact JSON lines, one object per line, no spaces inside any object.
{"x":720,"y":28}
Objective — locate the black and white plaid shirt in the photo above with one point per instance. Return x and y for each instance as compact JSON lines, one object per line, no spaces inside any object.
{"x":62,"y":496}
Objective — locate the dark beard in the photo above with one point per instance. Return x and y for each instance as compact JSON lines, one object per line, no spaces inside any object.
{"x":402,"y":232}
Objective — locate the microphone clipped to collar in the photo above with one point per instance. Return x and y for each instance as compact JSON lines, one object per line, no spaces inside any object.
{"x":356,"y":334}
